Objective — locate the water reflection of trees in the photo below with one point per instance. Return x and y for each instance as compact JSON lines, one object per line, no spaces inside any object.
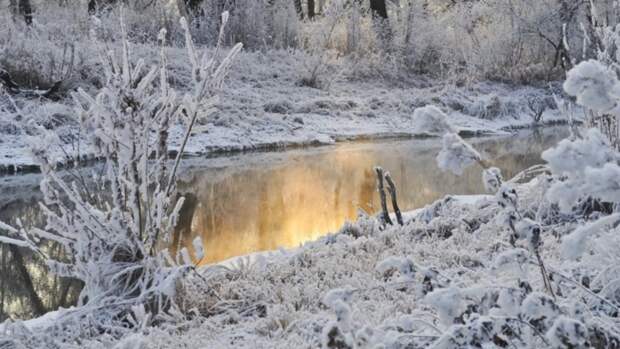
{"x":26,"y":288}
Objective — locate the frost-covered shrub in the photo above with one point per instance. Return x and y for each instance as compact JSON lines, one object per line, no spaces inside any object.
{"x":492,"y":179}
{"x":540,"y":310}
{"x":112,"y":236}
{"x":568,"y":333}
{"x":585,"y":167}
{"x":319,"y":70}
{"x":456,"y":154}
{"x":574,"y":244}
{"x":35,"y":60}
{"x":594,"y":85}
{"x":404,"y":266}
{"x":430,"y":120}
{"x":448,"y":302}
{"x":574,"y":156}
{"x":257,"y":24}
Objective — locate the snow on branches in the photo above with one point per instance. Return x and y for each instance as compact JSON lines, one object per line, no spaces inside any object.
{"x":594,"y":85}
{"x":112,"y":227}
{"x":456,"y":154}
{"x":585,"y":167}
{"x":431,"y":120}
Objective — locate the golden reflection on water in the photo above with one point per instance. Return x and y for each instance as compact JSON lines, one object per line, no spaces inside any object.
{"x":307,"y":194}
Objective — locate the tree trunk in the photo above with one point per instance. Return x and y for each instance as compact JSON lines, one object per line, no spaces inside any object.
{"x":385,"y":215}
{"x":193,"y":6}
{"x":378,"y":9}
{"x":299,"y":9}
{"x":92,"y":7}
{"x":3,"y":277}
{"x":381,"y":22}
{"x":26,"y":10}
{"x":310,"y":9}
{"x":21,"y":8}
{"x":392,"y":191}
{"x":14,"y":8}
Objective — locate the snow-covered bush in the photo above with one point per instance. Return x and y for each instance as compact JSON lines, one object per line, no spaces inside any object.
{"x":595,"y":85}
{"x":111,"y":227}
{"x":430,"y":120}
{"x":492,"y":179}
{"x":456,"y":154}
{"x":585,"y":168}
{"x":318,"y":70}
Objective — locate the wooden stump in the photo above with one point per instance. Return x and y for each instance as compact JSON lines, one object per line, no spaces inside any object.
{"x":392,"y":191}
{"x":385,"y":216}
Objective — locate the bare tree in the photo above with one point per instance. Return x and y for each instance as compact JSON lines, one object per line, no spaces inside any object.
{"x":298,"y":8}
{"x":381,"y":22}
{"x":21,"y":8}
{"x":378,"y":9}
{"x":311,"y":12}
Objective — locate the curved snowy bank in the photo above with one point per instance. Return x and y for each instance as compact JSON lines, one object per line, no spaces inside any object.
{"x":428,"y":283}
{"x":222,"y":141}
{"x":263,"y":107}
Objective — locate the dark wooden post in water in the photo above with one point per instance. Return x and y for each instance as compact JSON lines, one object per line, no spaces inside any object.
{"x":392,"y":191}
{"x":385,"y":216}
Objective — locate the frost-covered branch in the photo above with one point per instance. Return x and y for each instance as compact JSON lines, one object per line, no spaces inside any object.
{"x":113,"y":236}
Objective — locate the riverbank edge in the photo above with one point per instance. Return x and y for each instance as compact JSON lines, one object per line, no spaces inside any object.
{"x":276,"y":146}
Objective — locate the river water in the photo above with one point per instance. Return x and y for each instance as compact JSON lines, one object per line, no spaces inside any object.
{"x":244,"y":203}
{"x":265,"y":201}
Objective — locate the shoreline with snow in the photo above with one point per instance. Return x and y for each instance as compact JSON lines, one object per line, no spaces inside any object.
{"x":263,"y":107}
{"x":225,"y":141}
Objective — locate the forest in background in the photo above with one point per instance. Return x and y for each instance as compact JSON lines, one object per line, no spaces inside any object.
{"x":517,"y":41}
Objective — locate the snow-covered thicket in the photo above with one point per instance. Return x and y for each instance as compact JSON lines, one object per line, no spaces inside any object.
{"x":596,"y":87}
{"x":564,"y":228}
{"x":456,"y":154}
{"x":112,"y":226}
{"x":516,"y":41}
{"x":451,"y":277}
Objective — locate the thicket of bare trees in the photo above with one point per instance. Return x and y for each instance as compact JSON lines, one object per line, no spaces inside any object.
{"x":517,"y":41}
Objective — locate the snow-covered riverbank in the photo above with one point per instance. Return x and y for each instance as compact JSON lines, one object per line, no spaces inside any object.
{"x":448,"y":277}
{"x":263,"y":106}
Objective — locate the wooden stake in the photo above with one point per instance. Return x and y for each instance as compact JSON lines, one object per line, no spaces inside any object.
{"x":385,"y":216}
{"x":392,"y":191}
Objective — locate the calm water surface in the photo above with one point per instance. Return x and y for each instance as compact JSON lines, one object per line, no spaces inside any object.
{"x":259,"y":202}
{"x":262,"y":201}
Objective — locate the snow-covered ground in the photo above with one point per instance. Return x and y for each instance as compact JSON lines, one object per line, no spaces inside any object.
{"x":448,"y":278}
{"x":534,"y":264}
{"x":263,"y":105}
